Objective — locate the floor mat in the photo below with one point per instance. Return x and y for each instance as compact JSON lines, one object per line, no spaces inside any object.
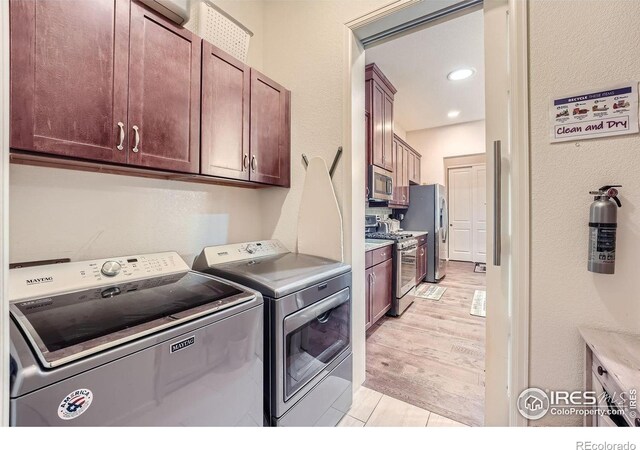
{"x":479,"y":304}
{"x":480,"y":268}
{"x":429,"y":291}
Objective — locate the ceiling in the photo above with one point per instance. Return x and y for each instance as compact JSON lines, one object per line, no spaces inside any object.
{"x":417,"y":64}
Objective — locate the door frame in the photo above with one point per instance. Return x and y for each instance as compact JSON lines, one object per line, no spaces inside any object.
{"x":502,"y":391}
{"x":448,"y":170}
{"x":4,"y":214}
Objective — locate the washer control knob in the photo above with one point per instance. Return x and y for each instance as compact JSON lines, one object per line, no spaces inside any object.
{"x":251,"y":248}
{"x":111,"y":268}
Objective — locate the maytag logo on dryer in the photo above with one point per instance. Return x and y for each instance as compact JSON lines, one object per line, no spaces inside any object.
{"x":39,"y":280}
{"x":181,"y":345}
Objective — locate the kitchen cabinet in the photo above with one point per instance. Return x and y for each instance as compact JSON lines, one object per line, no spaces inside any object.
{"x":421,"y":262}
{"x":367,"y":143}
{"x":379,"y":104}
{"x":406,"y":169}
{"x":92,"y":80}
{"x":164,"y":93}
{"x":379,"y":284}
{"x":110,"y":81}
{"x":69,"y":78}
{"x":270,"y":131}
{"x":226,"y":84}
{"x":414,"y":167}
{"x":401,"y":174}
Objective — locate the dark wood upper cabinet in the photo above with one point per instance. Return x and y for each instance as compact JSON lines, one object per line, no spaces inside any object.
{"x":69,"y":77}
{"x":164,"y":93}
{"x":226,"y":84}
{"x":405,"y":175}
{"x":379,"y":104}
{"x":113,"y":81}
{"x":414,"y":167}
{"x":270,"y":145}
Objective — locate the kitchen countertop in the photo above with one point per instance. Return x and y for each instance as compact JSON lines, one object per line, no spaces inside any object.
{"x":373,"y":244}
{"x":618,"y":353}
{"x":416,"y":233}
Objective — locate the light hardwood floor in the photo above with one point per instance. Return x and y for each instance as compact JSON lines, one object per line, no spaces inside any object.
{"x":432,"y":356}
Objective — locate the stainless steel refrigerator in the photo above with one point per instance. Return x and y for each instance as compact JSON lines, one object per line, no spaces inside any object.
{"x":428,"y":212}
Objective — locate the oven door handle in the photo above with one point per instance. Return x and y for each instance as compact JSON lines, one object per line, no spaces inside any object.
{"x":408,"y":251}
{"x":310,"y":313}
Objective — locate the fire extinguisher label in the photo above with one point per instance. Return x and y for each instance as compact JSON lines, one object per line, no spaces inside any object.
{"x":603,"y":244}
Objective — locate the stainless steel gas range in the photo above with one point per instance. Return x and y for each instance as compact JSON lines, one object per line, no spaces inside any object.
{"x":404,"y":267}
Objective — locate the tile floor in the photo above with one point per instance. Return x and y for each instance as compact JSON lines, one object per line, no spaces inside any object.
{"x":374,"y":409}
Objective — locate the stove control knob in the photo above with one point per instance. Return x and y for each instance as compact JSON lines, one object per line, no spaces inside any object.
{"x":111,"y":268}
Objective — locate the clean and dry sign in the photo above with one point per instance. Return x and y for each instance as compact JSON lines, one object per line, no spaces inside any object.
{"x":595,"y":114}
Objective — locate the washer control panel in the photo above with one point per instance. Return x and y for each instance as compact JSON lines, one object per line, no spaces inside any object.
{"x":52,"y":279}
{"x":221,"y":254}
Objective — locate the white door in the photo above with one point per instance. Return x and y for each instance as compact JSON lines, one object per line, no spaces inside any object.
{"x":468,"y":217}
{"x":479,"y":174}
{"x":461,"y":214}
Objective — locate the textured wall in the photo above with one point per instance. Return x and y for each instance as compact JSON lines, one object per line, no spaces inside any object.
{"x":434,"y":144}
{"x":564,"y":295}
{"x":80,"y":215}
{"x":304,"y":50}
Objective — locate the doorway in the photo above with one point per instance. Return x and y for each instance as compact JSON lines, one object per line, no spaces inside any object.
{"x":506,"y":129}
{"x":467,"y":187}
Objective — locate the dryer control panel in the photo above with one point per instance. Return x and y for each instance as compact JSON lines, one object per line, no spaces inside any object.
{"x":221,"y":254}
{"x":52,"y":279}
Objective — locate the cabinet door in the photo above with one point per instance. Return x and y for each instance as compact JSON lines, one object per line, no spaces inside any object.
{"x":421,"y":266}
{"x":418,"y":169}
{"x":378,"y":128}
{"x":382,"y":290}
{"x":396,"y":158}
{"x":270,"y":148}
{"x":367,"y":144}
{"x":69,"y":77}
{"x":368,"y":279}
{"x":164,"y":93}
{"x":387,"y":162}
{"x":405,"y":175}
{"x":225,"y":114}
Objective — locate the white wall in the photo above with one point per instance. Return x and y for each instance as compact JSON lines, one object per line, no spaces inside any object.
{"x":57,"y":213}
{"x":434,"y":144}
{"x":564,"y":295}
{"x":304,"y":50}
{"x":400,"y":131}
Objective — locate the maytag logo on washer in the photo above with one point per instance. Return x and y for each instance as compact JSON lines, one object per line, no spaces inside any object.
{"x":181,"y":345}
{"x":75,"y":404}
{"x":39,"y":280}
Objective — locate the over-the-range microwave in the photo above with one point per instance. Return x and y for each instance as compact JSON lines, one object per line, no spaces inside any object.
{"x":380,"y":184}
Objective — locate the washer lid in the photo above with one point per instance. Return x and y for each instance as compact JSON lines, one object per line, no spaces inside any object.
{"x":280,"y":275}
{"x":66,"y":327}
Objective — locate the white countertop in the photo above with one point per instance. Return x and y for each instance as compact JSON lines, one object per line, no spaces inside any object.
{"x":373,"y":244}
{"x":416,"y":233}
{"x":618,"y":353}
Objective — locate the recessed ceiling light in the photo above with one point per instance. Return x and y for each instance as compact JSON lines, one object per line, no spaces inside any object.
{"x":460,"y":74}
{"x":453,"y":114}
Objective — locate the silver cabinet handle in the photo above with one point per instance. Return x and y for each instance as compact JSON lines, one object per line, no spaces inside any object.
{"x":120,"y":146}
{"x":245,"y":162}
{"x":254,"y":163}
{"x":136,"y":130}
{"x":497,"y":199}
